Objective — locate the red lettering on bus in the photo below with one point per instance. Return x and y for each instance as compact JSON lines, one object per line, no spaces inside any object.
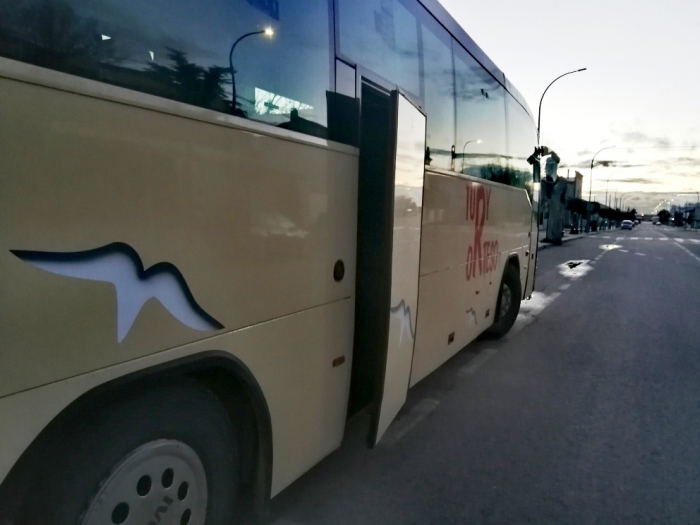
{"x":481,"y":255}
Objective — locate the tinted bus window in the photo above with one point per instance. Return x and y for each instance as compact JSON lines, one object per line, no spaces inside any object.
{"x":179,"y":49}
{"x":382,"y":35}
{"x":438,"y":81}
{"x":522,"y":140}
{"x":481,"y":120}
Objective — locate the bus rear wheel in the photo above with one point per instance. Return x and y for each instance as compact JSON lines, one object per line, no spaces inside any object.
{"x":508,"y":304}
{"x":167,"y":455}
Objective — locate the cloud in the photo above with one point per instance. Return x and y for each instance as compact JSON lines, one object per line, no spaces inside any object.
{"x":637,"y":180}
{"x":633,"y":136}
{"x":637,"y":137}
{"x":675,"y":162}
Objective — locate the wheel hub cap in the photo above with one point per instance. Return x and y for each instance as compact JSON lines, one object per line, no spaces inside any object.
{"x":161,"y":483}
{"x":506,"y":301}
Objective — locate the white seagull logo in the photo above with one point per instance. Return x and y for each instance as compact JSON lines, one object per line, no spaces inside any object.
{"x":119,"y":264}
{"x":403,"y":313}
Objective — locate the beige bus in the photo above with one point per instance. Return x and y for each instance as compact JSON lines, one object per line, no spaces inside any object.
{"x":226,"y":227}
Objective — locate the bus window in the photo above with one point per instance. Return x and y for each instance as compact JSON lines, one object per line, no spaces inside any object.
{"x":521,"y":144}
{"x":382,"y":35}
{"x":438,"y":80}
{"x":179,"y":49}
{"x":481,"y":120}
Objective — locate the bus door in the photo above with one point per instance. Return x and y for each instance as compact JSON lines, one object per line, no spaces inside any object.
{"x":534,"y":239}
{"x":408,"y":178}
{"x":390,"y":203}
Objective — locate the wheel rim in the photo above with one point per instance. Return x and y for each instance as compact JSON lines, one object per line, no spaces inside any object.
{"x":506,"y":300}
{"x":161,"y":482}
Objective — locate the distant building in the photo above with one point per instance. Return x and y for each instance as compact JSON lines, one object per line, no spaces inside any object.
{"x":573,"y":191}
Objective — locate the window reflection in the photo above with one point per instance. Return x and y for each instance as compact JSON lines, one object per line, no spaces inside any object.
{"x":521,"y":144}
{"x":438,"y":81}
{"x":179,"y":49}
{"x":382,"y":35}
{"x":481,"y":116}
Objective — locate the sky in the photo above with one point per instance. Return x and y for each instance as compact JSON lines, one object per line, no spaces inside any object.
{"x":640,"y":93}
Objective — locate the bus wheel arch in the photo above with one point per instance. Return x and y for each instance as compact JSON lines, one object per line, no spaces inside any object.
{"x":221,"y":374}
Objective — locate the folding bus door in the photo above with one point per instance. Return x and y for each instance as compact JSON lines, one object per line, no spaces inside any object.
{"x":532,"y":251}
{"x":392,"y":155}
{"x":408,"y":178}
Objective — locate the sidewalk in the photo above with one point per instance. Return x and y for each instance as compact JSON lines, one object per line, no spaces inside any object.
{"x":567,"y":237}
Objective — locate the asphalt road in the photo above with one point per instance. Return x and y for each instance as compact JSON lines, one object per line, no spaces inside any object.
{"x":588,"y":412}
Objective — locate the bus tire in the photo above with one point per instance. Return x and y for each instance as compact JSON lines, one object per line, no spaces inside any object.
{"x":166,"y":455}
{"x":508,"y":304}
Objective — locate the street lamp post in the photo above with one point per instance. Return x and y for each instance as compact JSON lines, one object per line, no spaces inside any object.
{"x":606,"y":194}
{"x":268,"y":32}
{"x":607,"y":182}
{"x":590,"y":188}
{"x":539,"y":112}
{"x":478,"y":141}
{"x":590,"y":184}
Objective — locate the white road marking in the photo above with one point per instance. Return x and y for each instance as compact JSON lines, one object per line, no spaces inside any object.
{"x":626,"y":251}
{"x":648,"y":239}
{"x":678,"y":240}
{"x":663,"y":238}
{"x":577,"y":269}
{"x":402,"y":426}
{"x":592,"y":262}
{"x":619,"y":238}
{"x":606,"y":236}
{"x":564,"y":286}
{"x":477,"y":362}
{"x":529,"y":309}
{"x":688,"y":252}
{"x":637,"y":253}
{"x":694,"y":240}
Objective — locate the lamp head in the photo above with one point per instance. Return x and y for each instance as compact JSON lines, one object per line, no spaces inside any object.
{"x":269,"y":32}
{"x":478,"y":141}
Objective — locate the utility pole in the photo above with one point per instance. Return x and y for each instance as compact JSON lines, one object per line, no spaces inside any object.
{"x":590,"y":189}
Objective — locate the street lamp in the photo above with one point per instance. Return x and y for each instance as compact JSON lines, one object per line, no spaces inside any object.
{"x":606,"y":187}
{"x":622,"y":197}
{"x":478,"y":141}
{"x":606,"y":195}
{"x":267,"y":32}
{"x":590,"y":185}
{"x":539,"y":112}
{"x":590,"y":189}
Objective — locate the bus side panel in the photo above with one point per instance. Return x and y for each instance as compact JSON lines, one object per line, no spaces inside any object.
{"x":470,"y":229}
{"x":291,"y":358}
{"x":246,"y":227}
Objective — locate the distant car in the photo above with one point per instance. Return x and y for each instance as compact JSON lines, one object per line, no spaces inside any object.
{"x":627,"y":225}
